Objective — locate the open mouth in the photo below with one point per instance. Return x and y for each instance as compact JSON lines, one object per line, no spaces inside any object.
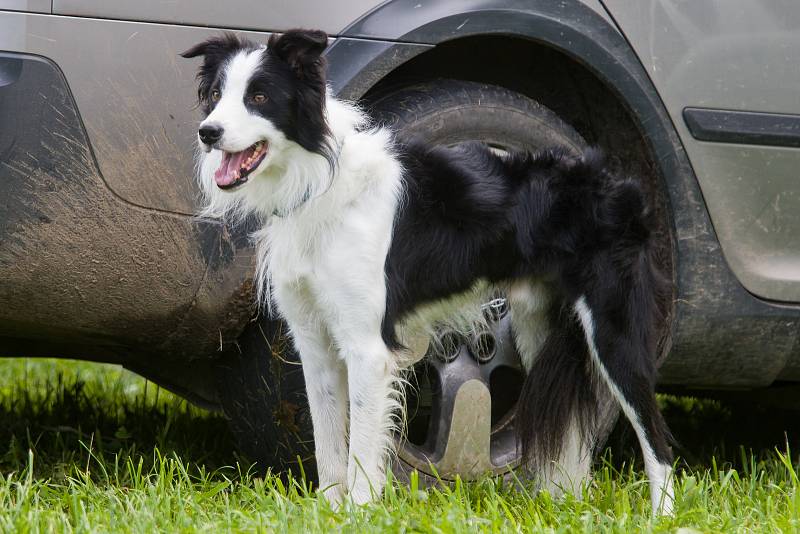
{"x":237,"y":166}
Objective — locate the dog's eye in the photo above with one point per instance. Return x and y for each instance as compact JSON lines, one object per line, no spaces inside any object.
{"x":259,"y":98}
{"x":215,"y":96}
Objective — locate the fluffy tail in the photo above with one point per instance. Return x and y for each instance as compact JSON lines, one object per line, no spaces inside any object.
{"x":605,"y":325}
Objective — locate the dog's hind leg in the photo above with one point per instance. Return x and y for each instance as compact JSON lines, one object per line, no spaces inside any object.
{"x":620,"y":358}
{"x":530,"y":303}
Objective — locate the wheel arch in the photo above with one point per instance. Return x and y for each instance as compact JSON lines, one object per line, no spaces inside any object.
{"x":596,"y":66}
{"x":572,"y":60}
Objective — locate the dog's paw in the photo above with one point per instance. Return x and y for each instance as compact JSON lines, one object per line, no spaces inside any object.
{"x":334,"y":494}
{"x":362,"y":494}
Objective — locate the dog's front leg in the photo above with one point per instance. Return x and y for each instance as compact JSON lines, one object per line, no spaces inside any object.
{"x":326,"y":387}
{"x":373,"y":402}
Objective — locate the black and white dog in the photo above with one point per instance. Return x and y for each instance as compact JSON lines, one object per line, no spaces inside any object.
{"x":361,"y":236}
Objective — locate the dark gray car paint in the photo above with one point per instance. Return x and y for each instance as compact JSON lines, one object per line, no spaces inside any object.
{"x":738,"y":55}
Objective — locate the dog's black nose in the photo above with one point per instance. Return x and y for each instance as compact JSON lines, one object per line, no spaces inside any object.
{"x":210,"y":134}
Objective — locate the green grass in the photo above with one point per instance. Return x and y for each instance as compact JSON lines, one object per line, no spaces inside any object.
{"x":87,"y":447}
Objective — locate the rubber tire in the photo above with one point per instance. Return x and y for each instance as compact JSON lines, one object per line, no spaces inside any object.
{"x":451,"y":111}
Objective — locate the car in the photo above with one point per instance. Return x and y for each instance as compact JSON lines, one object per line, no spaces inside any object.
{"x":102,"y":256}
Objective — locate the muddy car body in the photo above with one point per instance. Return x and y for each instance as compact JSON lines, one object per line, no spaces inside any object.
{"x":102,"y":258}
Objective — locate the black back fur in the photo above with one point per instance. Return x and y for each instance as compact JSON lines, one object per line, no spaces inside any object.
{"x":471,"y":214}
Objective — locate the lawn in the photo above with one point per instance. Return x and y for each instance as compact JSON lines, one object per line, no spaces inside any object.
{"x":90,"y":447}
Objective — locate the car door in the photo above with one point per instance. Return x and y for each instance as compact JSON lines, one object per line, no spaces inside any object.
{"x":135,"y":95}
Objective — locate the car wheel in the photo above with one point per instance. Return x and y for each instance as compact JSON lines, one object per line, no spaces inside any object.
{"x":462,"y":401}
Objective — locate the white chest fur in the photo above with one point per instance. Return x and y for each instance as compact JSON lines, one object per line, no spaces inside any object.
{"x":330,"y":253}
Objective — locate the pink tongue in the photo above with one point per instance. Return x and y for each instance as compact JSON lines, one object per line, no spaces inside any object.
{"x":231,"y":163}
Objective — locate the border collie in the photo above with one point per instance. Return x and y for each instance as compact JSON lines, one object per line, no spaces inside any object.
{"x":361,"y":236}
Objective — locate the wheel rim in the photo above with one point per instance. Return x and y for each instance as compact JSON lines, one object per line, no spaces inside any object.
{"x":462,"y":402}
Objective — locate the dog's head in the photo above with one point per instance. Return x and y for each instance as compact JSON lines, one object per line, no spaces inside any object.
{"x":263,"y":105}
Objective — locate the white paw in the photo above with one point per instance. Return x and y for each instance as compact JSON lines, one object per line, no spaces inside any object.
{"x":362,"y":494}
{"x":334,"y":494}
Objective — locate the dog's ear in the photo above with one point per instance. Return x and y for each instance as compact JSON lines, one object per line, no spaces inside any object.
{"x":214,"y":51}
{"x":301,"y":49}
{"x":214,"y":46}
